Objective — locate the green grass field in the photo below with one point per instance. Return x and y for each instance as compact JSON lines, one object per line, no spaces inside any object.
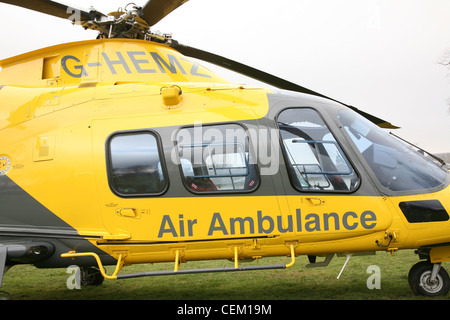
{"x":296,"y":283}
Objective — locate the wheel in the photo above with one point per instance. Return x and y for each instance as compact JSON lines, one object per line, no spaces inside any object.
{"x":419,"y":279}
{"x":91,"y":276}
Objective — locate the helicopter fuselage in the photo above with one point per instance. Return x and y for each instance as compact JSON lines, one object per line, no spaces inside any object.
{"x":127,"y":149}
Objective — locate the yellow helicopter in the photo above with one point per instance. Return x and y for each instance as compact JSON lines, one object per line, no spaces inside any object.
{"x":125,"y":150}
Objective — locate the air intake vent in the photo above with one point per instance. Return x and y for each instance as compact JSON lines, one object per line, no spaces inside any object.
{"x":424,"y":211}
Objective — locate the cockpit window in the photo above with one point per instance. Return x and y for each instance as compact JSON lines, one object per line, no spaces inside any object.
{"x":397,"y":166}
{"x":314,"y":158}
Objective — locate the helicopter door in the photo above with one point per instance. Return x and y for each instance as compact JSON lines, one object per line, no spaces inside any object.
{"x":131,"y":175}
{"x":324,"y":190}
{"x":231,"y":197}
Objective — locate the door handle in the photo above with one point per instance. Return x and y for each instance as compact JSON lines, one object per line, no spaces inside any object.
{"x":128,"y":212}
{"x":314,"y":202}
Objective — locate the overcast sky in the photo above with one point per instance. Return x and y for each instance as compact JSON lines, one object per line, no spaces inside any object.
{"x":379,"y":55}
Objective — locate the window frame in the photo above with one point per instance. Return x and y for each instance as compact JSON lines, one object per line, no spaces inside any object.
{"x":247,"y":162}
{"x":338,"y":145}
{"x":109,"y":165}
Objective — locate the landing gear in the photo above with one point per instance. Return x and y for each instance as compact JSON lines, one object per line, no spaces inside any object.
{"x":429,"y":279}
{"x":91,"y":276}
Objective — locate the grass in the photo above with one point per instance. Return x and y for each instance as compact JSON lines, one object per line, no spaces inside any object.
{"x":26,"y":282}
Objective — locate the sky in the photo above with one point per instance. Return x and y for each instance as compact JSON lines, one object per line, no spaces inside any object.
{"x":380,"y":56}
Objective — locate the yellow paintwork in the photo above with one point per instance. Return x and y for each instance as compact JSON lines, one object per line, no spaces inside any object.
{"x":440,"y":254}
{"x":54,"y":126}
{"x":131,"y":60}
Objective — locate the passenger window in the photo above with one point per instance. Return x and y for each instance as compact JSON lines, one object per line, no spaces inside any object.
{"x":216,"y":159}
{"x":314,"y":158}
{"x":135,"y":165}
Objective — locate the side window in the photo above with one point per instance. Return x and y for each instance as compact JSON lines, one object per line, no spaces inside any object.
{"x":314,"y":158}
{"x":216,"y":159}
{"x":135,"y":165}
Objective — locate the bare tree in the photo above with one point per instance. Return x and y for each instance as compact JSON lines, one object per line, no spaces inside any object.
{"x":445,"y":61}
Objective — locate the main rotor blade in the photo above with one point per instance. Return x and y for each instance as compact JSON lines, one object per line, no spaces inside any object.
{"x":266,"y":78}
{"x":156,"y":10}
{"x":54,"y":9}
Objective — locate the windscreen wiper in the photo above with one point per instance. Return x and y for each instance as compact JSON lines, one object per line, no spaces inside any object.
{"x":442,"y":162}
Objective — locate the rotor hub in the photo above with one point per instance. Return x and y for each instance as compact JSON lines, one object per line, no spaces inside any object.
{"x":128,"y":24}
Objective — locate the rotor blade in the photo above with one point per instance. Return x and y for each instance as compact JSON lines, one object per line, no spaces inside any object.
{"x":156,"y":10}
{"x":55,"y":9}
{"x":266,"y":78}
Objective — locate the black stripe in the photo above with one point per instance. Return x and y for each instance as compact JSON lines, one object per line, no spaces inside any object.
{"x":20,"y":213}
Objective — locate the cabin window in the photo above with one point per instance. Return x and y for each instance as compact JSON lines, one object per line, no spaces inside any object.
{"x":136,"y":165}
{"x":216,"y":159}
{"x":314,"y":158}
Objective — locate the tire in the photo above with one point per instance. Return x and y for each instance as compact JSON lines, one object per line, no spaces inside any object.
{"x":91,"y":276}
{"x":419,"y":280}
